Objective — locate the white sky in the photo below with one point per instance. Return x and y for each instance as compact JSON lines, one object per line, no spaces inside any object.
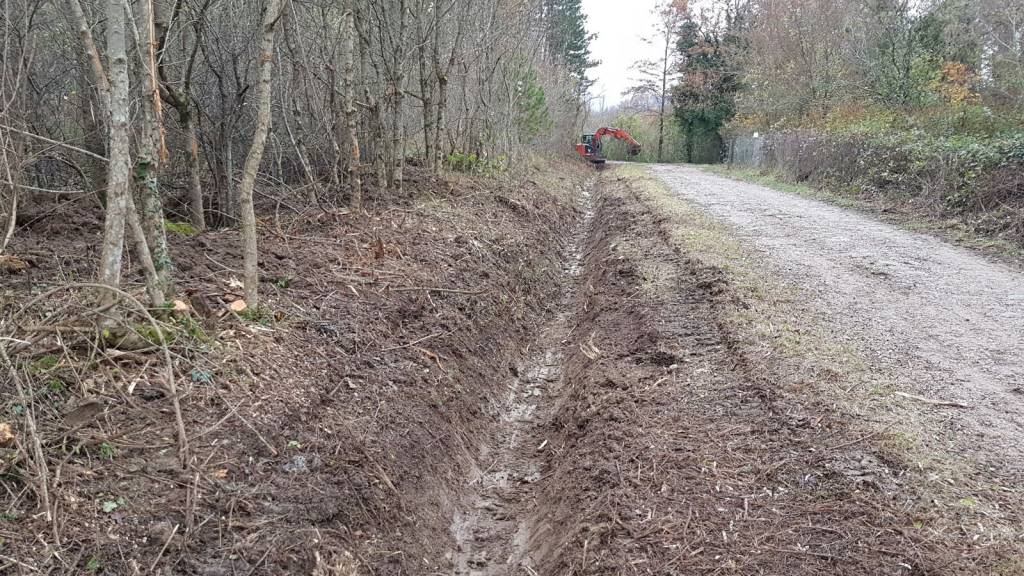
{"x":619,"y":25}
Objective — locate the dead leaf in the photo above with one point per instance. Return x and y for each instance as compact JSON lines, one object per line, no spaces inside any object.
{"x":220,"y":474}
{"x":181,"y":307}
{"x":12,"y":264}
{"x":238,"y":306}
{"x":589,"y":349}
{"x":6,"y":435}
{"x":84,"y":413}
{"x":431,"y":355}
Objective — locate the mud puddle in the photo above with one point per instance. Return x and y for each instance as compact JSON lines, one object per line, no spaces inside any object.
{"x":493,"y":532}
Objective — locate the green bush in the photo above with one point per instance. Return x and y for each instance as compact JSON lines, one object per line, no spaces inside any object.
{"x":180,"y":228}
{"x":971,"y":177}
{"x":471,"y":163}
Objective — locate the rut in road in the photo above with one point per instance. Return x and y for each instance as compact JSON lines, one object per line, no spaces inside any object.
{"x":492,"y":536}
{"x":932,"y":319}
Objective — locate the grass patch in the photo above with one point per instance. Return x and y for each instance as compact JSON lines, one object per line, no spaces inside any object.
{"x":181,"y":228}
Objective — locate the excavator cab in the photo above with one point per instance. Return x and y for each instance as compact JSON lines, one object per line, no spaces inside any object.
{"x":590,"y":148}
{"x":588,"y":142}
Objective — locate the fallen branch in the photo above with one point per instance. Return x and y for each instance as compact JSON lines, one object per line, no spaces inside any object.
{"x":179,"y":420}
{"x":440,"y":290}
{"x":415,"y":342}
{"x":933,"y":401}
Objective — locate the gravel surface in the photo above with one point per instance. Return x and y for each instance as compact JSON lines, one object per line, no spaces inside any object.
{"x":937,"y":320}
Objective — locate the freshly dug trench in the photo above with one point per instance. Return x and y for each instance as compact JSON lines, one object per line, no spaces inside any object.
{"x":331,"y":436}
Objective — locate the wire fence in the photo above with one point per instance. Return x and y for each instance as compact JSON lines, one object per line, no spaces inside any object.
{"x":746,"y":151}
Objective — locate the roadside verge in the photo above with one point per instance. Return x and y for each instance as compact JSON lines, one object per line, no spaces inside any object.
{"x":686,"y":441}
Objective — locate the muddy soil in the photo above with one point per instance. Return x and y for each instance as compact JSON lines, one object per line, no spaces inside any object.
{"x":330,"y":435}
{"x":495,"y":534}
{"x":469,"y":380}
{"x":932,"y":319}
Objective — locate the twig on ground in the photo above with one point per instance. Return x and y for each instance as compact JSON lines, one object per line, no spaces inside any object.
{"x":38,"y":457}
{"x":273,"y":451}
{"x":168,"y":361}
{"x":167,"y":543}
{"x":862,"y":438}
{"x":418,"y":341}
{"x":932,"y":401}
{"x":441,"y":290}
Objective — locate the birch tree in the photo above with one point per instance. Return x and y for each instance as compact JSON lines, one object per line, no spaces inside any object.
{"x":119,"y":171}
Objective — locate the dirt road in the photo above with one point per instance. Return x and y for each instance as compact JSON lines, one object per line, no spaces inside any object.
{"x":931,"y":319}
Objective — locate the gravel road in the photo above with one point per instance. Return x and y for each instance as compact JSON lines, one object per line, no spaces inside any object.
{"x":938,"y":320}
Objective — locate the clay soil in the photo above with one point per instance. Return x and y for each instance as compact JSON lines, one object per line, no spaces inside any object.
{"x":468,"y":379}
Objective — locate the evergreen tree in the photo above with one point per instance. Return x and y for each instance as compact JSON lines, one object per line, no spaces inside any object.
{"x":568,"y":40}
{"x":705,"y":98}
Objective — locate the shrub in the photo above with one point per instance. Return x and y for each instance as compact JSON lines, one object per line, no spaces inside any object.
{"x":471,"y":163}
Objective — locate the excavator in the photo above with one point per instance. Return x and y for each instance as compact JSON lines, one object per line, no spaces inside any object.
{"x":590,"y":144}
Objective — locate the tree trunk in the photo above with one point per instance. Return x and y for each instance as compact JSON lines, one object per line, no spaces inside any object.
{"x":377,"y":129}
{"x":180,"y":97}
{"x":229,"y":198}
{"x":348,"y":88}
{"x":156,"y":296}
{"x":197,"y":214}
{"x":396,"y":145}
{"x":426,"y":88}
{"x":120,"y":166}
{"x":255,"y":156}
{"x":92,"y":54}
{"x":439,"y":127}
{"x":149,"y":155}
{"x":13,"y":179}
{"x":94,"y":121}
{"x":375,"y":117}
{"x":664,"y":89}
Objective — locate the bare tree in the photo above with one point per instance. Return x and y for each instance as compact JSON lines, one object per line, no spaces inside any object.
{"x":178,"y":93}
{"x":351,"y":140}
{"x":272,"y":15}
{"x":656,"y":76}
{"x":119,"y":171}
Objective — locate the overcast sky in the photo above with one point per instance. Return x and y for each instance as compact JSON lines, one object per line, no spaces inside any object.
{"x":619,"y":25}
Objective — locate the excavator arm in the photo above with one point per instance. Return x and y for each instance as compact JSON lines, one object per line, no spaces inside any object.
{"x":590,"y":146}
{"x":620,"y":134}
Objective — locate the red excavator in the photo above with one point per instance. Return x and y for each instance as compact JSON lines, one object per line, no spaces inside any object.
{"x":590,"y":145}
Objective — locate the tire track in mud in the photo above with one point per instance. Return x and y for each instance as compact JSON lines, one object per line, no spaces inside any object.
{"x":492,"y":535}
